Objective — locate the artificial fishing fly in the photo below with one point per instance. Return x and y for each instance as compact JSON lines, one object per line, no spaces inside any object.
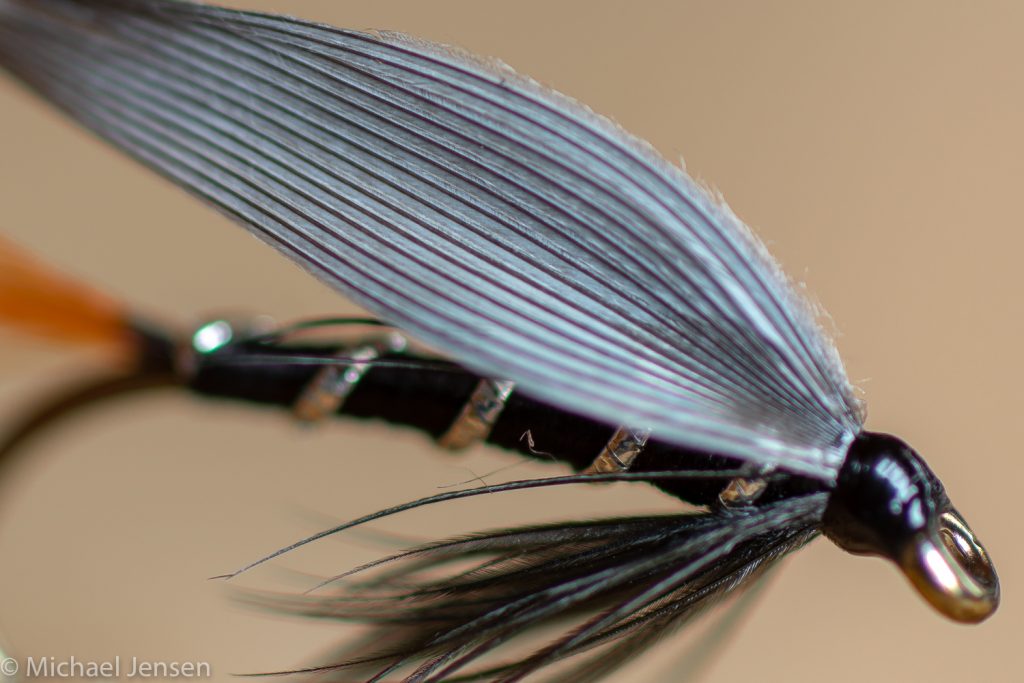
{"x":581,"y":287}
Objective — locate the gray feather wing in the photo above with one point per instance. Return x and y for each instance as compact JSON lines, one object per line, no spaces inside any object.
{"x":498,"y":221}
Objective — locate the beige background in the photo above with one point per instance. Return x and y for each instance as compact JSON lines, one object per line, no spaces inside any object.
{"x":876,"y":147}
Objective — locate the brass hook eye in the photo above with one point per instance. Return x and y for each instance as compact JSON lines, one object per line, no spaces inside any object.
{"x":952,"y":571}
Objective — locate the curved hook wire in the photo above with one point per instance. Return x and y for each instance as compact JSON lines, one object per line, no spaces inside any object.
{"x":952,"y":570}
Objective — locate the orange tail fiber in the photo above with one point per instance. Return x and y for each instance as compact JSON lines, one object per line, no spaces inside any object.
{"x":38,"y":299}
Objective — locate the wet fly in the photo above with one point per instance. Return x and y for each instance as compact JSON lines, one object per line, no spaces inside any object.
{"x":578,"y":286}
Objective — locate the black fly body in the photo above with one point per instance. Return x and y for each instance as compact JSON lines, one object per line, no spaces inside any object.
{"x":579,"y":287}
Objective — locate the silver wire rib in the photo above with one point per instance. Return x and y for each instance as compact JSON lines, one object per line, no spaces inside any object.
{"x":479,"y":414}
{"x":620,"y":451}
{"x":326,"y":392}
{"x":741,"y":491}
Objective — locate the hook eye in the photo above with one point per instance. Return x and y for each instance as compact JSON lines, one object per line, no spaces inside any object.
{"x":952,"y":570}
